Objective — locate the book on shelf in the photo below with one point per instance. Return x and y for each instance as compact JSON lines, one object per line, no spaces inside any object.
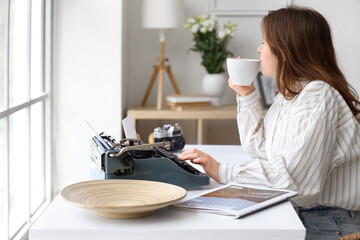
{"x":187,"y":98}
{"x":192,"y":107}
{"x":171,"y":104}
{"x":188,"y":102}
{"x":235,"y":200}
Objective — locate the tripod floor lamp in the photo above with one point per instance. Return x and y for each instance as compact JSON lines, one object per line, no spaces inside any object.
{"x":161,"y":15}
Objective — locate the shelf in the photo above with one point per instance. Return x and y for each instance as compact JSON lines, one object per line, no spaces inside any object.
{"x":150,"y":112}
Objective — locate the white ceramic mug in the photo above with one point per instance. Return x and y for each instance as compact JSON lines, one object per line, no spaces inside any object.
{"x":242,"y":71}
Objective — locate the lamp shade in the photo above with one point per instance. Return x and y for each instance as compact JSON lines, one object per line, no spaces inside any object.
{"x":162,"y":14}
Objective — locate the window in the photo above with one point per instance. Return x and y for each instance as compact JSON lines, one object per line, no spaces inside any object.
{"x":24,"y":114}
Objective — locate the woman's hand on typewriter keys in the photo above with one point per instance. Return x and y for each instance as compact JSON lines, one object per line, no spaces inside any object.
{"x":210,"y":165}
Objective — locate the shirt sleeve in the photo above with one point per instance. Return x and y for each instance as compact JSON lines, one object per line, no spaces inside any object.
{"x":251,"y":125}
{"x":303,"y":165}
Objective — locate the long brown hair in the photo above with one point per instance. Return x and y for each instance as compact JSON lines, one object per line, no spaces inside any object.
{"x":300,"y":39}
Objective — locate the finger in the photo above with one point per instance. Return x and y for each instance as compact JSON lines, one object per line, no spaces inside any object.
{"x":200,"y":160}
{"x":230,"y":82}
{"x":189,"y":156}
{"x":188,"y":152}
{"x":196,"y":161}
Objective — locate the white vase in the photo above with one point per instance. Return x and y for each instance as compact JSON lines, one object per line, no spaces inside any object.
{"x":214,"y":85}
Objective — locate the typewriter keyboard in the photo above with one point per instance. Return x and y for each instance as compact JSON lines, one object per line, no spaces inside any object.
{"x":184,"y":165}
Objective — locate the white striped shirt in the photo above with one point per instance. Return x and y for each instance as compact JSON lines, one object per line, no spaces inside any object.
{"x":310,"y":144}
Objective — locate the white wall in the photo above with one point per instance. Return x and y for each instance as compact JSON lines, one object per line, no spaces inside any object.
{"x":87,"y":81}
{"x":88,"y":68}
{"x":143,"y":48}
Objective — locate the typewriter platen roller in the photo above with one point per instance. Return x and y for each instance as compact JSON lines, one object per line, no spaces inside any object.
{"x":130,"y":159}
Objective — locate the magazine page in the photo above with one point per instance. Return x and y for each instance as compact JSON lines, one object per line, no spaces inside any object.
{"x":235,"y":200}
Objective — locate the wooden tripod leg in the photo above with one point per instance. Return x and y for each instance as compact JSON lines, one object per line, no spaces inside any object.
{"x":160,"y":89}
{"x":151,"y":83}
{"x":172,"y":79}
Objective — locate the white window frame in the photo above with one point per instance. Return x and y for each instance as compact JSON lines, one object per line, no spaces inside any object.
{"x":45,"y":97}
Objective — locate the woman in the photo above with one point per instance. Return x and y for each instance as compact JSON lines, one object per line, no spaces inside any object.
{"x":309,"y":140}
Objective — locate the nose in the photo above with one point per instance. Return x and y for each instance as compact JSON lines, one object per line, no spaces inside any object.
{"x":260,"y":48}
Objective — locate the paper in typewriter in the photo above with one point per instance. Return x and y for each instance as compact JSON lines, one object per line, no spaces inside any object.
{"x":129,"y":127}
{"x":236,"y":200}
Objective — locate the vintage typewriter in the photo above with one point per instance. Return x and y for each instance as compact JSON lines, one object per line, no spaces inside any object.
{"x":131,"y":159}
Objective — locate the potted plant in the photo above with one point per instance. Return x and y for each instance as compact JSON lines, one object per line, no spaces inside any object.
{"x":211,"y":43}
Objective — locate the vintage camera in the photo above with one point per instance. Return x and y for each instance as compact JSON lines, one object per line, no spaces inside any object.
{"x":172,"y":134}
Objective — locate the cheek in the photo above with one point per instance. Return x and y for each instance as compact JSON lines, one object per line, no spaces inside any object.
{"x":265,"y":60}
{"x":268,"y":65}
{"x":273,"y":60}
{"x":266,"y":71}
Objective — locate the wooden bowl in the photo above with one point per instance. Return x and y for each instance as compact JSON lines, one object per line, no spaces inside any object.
{"x":122,"y":198}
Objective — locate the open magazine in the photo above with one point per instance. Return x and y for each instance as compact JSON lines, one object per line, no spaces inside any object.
{"x":235,"y":200}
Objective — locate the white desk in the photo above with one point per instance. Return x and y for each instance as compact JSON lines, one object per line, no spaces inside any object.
{"x":64,"y":221}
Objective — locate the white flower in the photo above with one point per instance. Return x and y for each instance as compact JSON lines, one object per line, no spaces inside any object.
{"x":211,"y":25}
{"x":221,"y":34}
{"x":207,"y":23}
{"x":203,"y":29}
{"x":195,"y":28}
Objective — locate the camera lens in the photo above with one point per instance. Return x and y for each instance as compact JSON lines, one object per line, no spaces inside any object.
{"x":177,"y":143}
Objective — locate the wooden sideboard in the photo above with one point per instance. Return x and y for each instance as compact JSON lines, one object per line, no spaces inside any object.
{"x":150,"y":112}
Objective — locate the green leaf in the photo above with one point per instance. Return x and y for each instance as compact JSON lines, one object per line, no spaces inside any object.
{"x":202,"y":46}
